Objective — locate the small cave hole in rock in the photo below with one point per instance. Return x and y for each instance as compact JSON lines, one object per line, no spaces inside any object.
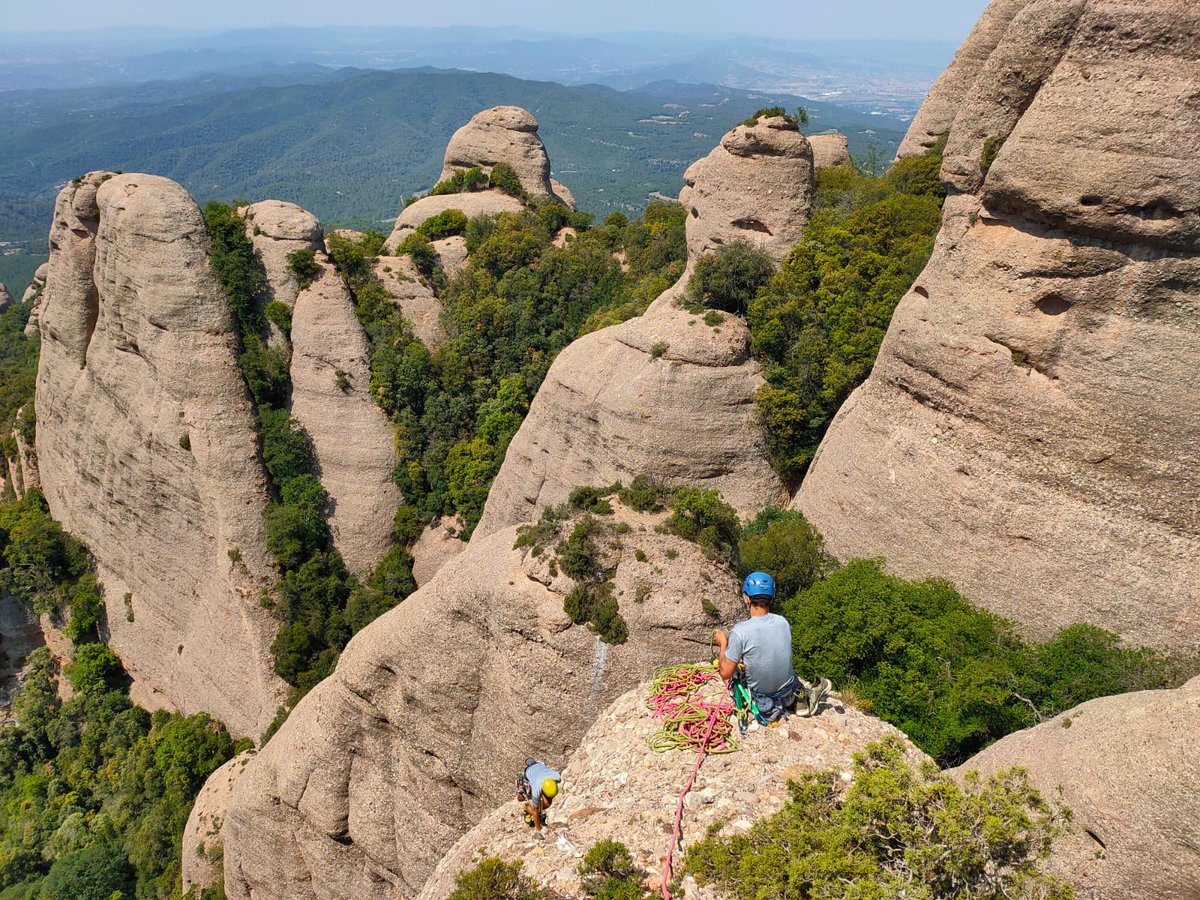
{"x":920,"y":291}
{"x":751,"y":225}
{"x":1090,"y":200}
{"x":1053,"y":304}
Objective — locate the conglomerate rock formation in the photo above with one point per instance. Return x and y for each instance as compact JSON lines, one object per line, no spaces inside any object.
{"x":616,"y":786}
{"x":352,"y":440}
{"x":148,"y":450}
{"x":472,"y":204}
{"x":1127,"y":768}
{"x":278,"y":229}
{"x":1030,"y":428}
{"x":433,"y":707}
{"x":507,"y":134}
{"x":664,"y":393}
{"x":829,"y":150}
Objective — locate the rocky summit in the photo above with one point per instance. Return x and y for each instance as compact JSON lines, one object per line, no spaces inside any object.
{"x":505,"y":134}
{"x":1029,"y":429}
{"x":148,"y":449}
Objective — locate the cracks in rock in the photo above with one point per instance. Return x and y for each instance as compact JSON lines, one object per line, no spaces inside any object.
{"x":1019,"y":357}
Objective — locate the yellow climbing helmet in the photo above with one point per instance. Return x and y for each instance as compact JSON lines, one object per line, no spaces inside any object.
{"x":550,"y":788}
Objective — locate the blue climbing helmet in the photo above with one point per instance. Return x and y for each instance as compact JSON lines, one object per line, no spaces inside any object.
{"x":759,"y":584}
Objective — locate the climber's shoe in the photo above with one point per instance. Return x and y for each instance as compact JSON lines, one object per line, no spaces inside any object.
{"x":816,"y":694}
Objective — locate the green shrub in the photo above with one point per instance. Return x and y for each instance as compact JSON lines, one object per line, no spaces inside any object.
{"x":280,"y":315}
{"x":594,"y":604}
{"x":494,"y":879}
{"x":504,"y":178}
{"x":461,"y":182}
{"x":85,"y":604}
{"x":593,"y":500}
{"x":232,"y":258}
{"x":991,"y":149}
{"x":783,"y":543}
{"x":608,"y":873}
{"x":702,"y":516}
{"x":730,"y":278}
{"x":94,"y":670}
{"x":447,"y":223}
{"x":644,"y":494}
{"x":424,"y":257}
{"x":303,"y":264}
{"x":898,"y":832}
{"x":97,"y":873}
{"x":952,"y":677}
{"x":770,"y":112}
{"x":578,"y":556}
{"x":266,"y":371}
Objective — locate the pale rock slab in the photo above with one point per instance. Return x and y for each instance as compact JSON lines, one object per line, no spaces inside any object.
{"x":438,"y":544}
{"x":147,"y":445}
{"x":1029,"y":429}
{"x":6,"y":299}
{"x":202,"y":841}
{"x":352,"y":438}
{"x":452,"y":254}
{"x":1127,"y":768}
{"x":33,"y":296}
{"x":432,"y":707}
{"x":616,"y":787}
{"x":416,"y":299}
{"x":277,"y":229}
{"x":663,"y":394}
{"x":829,"y":150}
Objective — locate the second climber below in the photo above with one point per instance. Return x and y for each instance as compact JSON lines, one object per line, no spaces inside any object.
{"x":762,"y":647}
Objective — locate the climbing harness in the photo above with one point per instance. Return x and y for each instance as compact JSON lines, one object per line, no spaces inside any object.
{"x":689,"y":723}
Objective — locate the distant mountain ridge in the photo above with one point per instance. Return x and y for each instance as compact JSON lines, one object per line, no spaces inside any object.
{"x":350,"y":145}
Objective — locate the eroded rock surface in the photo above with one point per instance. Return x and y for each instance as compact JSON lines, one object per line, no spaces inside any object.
{"x":33,"y":296}
{"x":352,"y":438}
{"x":662,"y":394}
{"x":432,"y":708}
{"x":1127,"y":768}
{"x":829,"y":150}
{"x":1029,"y":429}
{"x":438,"y":544}
{"x":202,"y":842}
{"x":409,"y":290}
{"x":147,"y":445}
{"x":277,"y":229}
{"x":506,"y":134}
{"x":6,"y":299}
{"x":756,"y":186}
{"x":616,"y":786}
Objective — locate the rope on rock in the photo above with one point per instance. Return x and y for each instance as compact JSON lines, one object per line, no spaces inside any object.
{"x":689,"y":723}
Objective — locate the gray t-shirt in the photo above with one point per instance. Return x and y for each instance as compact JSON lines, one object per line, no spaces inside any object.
{"x":764,"y":643}
{"x":537,"y":773}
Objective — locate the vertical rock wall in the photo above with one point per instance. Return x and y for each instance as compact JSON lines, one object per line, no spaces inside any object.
{"x":148,"y":450}
{"x":1030,"y":428}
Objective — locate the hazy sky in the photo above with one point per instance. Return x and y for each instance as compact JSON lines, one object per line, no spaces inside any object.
{"x":938,"y":19}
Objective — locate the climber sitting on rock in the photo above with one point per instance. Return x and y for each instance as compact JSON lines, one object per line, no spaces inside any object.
{"x":537,"y":786}
{"x":759,"y":650}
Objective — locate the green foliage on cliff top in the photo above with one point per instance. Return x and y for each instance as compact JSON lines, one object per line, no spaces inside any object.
{"x":898,"y":831}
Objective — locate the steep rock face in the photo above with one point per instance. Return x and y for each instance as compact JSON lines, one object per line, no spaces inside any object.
{"x":506,"y":134}
{"x":202,"y":840}
{"x":829,"y":150}
{"x":147,"y":445}
{"x":452,"y":254}
{"x":352,"y":439}
{"x":6,"y":299}
{"x":23,"y":468}
{"x":33,"y":296}
{"x":615,"y":786}
{"x":476,"y":203}
{"x":756,"y":186}
{"x":278,"y":229}
{"x":438,"y":544}
{"x":409,"y":291}
{"x":953,"y":89}
{"x":664,"y":393}
{"x":432,"y":708}
{"x":20,"y":634}
{"x":34,"y":289}
{"x":1127,"y":768}
{"x":1029,"y":429}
